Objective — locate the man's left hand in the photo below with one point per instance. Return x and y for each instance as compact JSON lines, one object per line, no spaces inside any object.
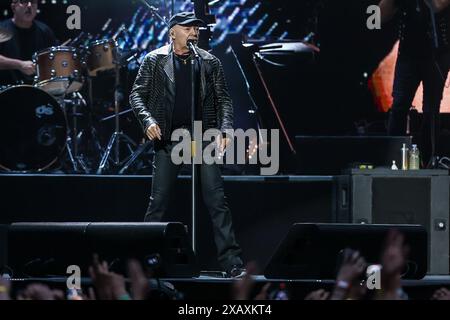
{"x":223,"y":143}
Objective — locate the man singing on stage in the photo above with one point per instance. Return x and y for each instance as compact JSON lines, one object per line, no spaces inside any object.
{"x":161,"y":100}
{"x":420,"y":58}
{"x":29,"y":36}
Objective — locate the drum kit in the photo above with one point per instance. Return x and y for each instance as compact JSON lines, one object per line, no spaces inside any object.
{"x":41,"y":122}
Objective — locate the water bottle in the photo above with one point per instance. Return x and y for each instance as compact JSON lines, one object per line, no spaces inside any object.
{"x":404,"y":157}
{"x":414,"y":158}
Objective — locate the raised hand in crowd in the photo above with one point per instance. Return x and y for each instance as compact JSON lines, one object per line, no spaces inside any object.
{"x":350,"y":274}
{"x":90,"y":295}
{"x":441,"y":294}
{"x":108,"y":285}
{"x":38,"y":291}
{"x":5,"y":289}
{"x":393,"y":259}
{"x":242,"y":288}
{"x":140,"y":286}
{"x":264,"y":293}
{"x":320,"y":294}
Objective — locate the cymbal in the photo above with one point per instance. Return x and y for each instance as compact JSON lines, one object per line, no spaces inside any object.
{"x":5,"y":35}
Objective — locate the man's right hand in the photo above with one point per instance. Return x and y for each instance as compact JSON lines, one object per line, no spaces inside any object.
{"x":27,"y":67}
{"x":154,"y":132}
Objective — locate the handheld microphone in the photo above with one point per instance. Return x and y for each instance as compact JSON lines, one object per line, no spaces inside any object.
{"x":192,"y":45}
{"x":155,"y":12}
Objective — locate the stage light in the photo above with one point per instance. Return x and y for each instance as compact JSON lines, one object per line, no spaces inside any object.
{"x":271,"y":30}
{"x":221,"y":10}
{"x":233,"y":15}
{"x":258,"y":25}
{"x":284,"y":35}
{"x":254,"y":9}
{"x":242,"y":25}
{"x":213,"y":2}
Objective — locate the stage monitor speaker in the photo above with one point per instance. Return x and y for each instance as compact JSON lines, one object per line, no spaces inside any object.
{"x":311,"y":251}
{"x":47,"y":249}
{"x":3,"y":248}
{"x":383,"y":196}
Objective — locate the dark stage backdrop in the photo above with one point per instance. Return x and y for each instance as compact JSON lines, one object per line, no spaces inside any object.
{"x":324,"y":97}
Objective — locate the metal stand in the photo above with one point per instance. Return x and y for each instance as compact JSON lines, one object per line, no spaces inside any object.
{"x":118,"y":136}
{"x":259,"y":121}
{"x":70,"y":144}
{"x":143,"y":148}
{"x":272,"y":103}
{"x":434,"y":160}
{"x":194,"y":150}
{"x":78,"y":101}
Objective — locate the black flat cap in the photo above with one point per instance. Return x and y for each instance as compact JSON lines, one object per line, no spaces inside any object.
{"x":185,"y":18}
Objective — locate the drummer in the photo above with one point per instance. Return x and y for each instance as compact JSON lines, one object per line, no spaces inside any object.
{"x":29,"y":36}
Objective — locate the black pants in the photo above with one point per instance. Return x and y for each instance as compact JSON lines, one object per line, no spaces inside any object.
{"x":165,"y":174}
{"x":409,"y":72}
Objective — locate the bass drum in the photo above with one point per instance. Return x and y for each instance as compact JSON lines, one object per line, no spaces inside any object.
{"x":33,"y":129}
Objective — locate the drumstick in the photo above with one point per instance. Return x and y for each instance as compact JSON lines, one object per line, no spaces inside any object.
{"x":66,"y":42}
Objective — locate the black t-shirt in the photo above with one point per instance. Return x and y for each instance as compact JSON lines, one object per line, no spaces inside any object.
{"x":24,"y":44}
{"x":416,"y":29}
{"x":181,"y":116}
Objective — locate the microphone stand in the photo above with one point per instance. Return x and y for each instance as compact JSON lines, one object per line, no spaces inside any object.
{"x":433,"y":162}
{"x":154,"y":11}
{"x":194,"y":145}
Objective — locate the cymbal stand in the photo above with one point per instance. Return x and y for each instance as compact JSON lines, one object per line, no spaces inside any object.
{"x":81,"y":155}
{"x":113,"y":148}
{"x":69,"y":142}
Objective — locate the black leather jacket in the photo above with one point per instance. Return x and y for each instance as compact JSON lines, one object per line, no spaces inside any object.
{"x":153,"y":94}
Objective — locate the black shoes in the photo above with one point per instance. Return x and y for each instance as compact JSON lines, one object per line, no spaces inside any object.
{"x":237,"y":271}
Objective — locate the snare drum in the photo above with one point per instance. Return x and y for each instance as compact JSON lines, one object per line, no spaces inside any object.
{"x":59,"y":70}
{"x":103,"y":55}
{"x":33,"y":129}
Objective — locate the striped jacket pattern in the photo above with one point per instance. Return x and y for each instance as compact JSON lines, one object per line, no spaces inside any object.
{"x":153,"y":95}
